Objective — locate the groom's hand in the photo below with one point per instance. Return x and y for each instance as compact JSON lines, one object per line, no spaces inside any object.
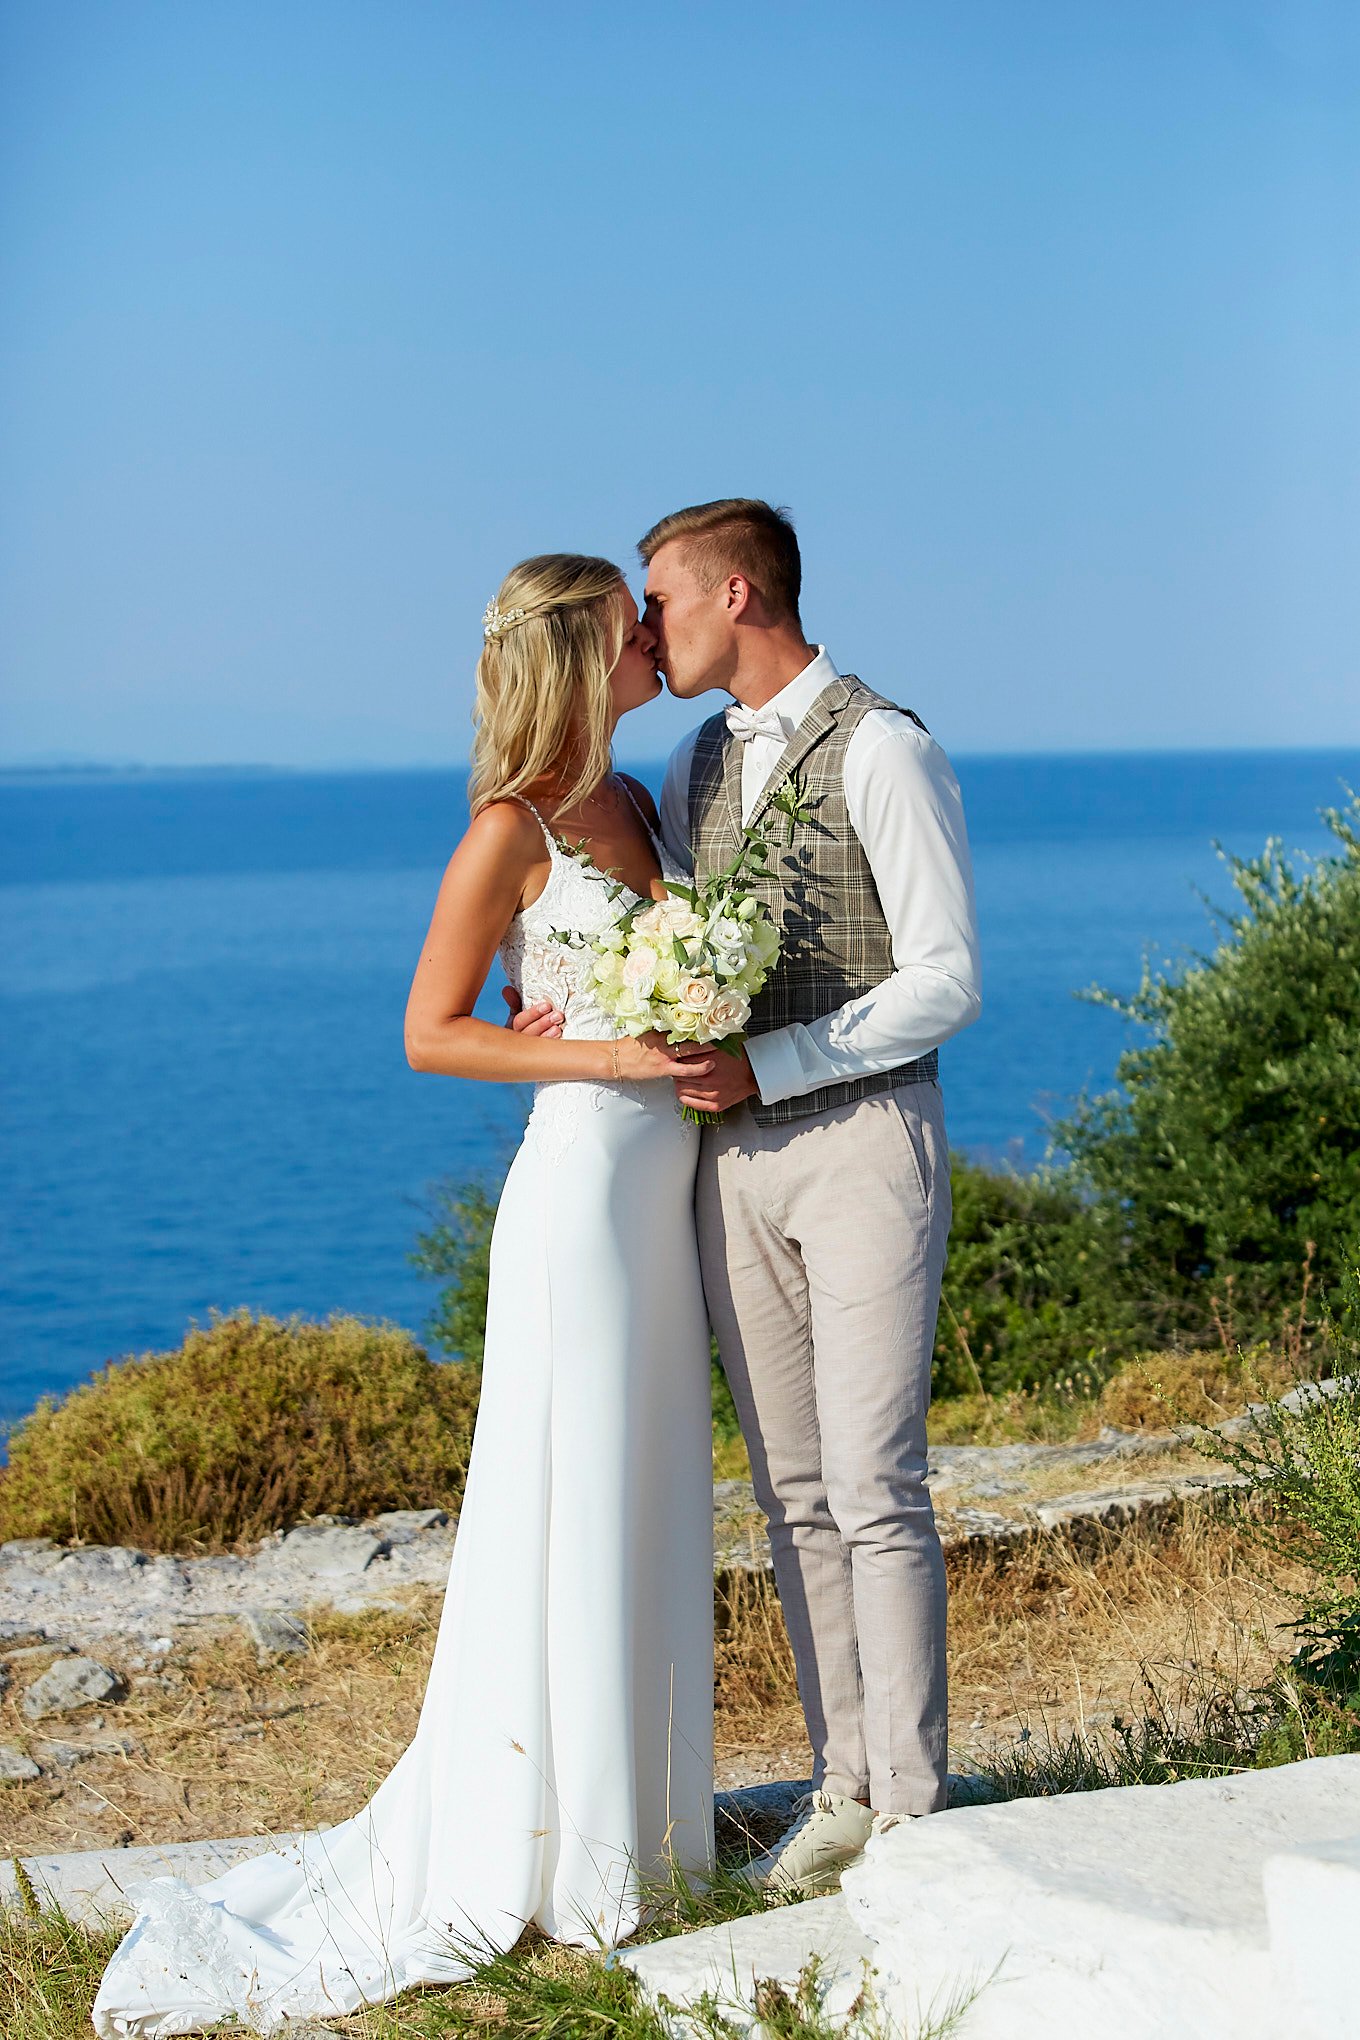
{"x":732,"y":1080}
{"x":540,"y":1018}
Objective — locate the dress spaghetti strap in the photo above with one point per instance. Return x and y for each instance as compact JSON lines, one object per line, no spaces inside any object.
{"x":548,"y":836}
{"x":638,"y":810}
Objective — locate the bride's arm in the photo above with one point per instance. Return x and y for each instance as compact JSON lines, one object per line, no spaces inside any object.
{"x":480,"y":895}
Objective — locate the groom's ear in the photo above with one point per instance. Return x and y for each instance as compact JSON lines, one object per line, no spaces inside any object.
{"x":739,"y":595}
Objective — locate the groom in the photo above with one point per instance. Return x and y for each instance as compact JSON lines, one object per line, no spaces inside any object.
{"x":823,"y":1197}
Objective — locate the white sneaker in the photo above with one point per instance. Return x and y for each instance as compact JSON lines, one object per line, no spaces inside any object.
{"x":830,"y":1832}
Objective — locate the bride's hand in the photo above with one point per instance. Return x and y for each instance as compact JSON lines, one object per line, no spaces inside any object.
{"x":643,"y":1057}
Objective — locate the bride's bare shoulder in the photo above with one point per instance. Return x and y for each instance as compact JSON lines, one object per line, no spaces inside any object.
{"x":502,"y":837}
{"x":505,"y":822}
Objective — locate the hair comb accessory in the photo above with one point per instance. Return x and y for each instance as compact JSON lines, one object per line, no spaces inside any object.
{"x":496,"y":622}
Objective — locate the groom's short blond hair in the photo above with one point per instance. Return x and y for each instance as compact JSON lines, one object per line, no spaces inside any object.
{"x":737,"y":535}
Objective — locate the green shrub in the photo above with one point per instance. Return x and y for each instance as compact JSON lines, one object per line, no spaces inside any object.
{"x":252,"y":1424}
{"x":1233,"y":1146}
{"x":1031,"y":1294}
{"x":457,"y":1251}
{"x":1033,"y":1290}
{"x":1303,"y":1458}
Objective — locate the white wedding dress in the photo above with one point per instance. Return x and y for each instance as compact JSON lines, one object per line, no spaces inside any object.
{"x":565,"y":1744}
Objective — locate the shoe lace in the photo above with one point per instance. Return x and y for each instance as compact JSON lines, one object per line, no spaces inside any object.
{"x":806,"y":1804}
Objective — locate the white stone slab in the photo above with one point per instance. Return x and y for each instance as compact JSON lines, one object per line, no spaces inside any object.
{"x":1136,"y":1913}
{"x":89,"y":1885}
{"x":727,"y":1961}
{"x":1313,"y":1905}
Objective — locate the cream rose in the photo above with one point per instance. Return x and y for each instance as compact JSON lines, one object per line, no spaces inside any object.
{"x":680,"y":918}
{"x":728,"y":1014}
{"x":697,"y":993}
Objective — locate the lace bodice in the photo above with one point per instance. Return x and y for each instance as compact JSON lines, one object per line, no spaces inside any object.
{"x":577,"y":900}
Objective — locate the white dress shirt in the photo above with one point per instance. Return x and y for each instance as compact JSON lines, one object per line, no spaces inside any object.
{"x":905,"y":807}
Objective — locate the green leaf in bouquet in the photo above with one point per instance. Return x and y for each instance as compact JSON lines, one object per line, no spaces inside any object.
{"x":680,"y":956}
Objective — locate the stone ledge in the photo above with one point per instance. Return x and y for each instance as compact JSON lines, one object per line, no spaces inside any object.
{"x":1226,"y":1909}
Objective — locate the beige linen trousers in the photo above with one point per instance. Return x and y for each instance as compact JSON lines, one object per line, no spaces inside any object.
{"x":822,"y":1244}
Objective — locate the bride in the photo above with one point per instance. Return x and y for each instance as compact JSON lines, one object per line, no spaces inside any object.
{"x":564,"y":1752}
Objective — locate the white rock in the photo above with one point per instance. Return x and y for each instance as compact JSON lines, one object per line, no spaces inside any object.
{"x":89,"y":1885}
{"x":274,"y":1634}
{"x":1136,"y":1912}
{"x":68,"y":1684}
{"x":1313,"y":1905}
{"x":330,"y":1550}
{"x":64,"y":1755}
{"x":728,"y":1961}
{"x":403,"y":1524}
{"x":15,"y":1767}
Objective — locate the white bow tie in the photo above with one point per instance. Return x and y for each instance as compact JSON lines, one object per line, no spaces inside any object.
{"x":746,"y":723}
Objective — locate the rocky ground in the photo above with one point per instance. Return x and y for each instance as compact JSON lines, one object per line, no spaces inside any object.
{"x":153,"y":1698}
{"x":982,"y":1492}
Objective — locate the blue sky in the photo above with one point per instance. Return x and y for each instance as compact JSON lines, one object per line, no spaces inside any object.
{"x":1043,"y":319}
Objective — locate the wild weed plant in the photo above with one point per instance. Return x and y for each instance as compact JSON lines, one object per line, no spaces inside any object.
{"x":251,"y":1424}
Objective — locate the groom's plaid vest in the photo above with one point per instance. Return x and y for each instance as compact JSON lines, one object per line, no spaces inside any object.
{"x":821,"y":892}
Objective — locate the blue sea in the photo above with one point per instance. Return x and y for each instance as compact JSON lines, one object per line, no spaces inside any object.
{"x":202,"y":980}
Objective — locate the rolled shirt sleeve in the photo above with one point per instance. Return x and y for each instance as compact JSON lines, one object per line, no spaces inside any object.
{"x":905,"y":807}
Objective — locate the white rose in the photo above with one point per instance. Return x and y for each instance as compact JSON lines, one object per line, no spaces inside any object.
{"x":697,"y":993}
{"x":652,"y":920}
{"x":684,"y":1025}
{"x":609,"y":969}
{"x":728,"y":1014}
{"x":725,"y":932}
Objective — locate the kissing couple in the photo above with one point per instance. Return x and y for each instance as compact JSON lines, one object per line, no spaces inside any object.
{"x":563,"y":1762}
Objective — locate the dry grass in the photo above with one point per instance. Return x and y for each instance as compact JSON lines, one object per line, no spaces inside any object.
{"x":1162,"y":1389}
{"x":225,"y":1746}
{"x":1154,"y":1392}
{"x":1059,"y":1638}
{"x":1045,"y":1638}
{"x":1048,"y":1634}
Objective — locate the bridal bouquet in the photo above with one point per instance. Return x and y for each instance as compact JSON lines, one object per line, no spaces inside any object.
{"x":688,"y":966}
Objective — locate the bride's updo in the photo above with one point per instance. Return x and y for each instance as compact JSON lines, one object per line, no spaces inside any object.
{"x":552,"y":638}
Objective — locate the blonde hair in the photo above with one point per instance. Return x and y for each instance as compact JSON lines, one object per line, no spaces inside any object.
{"x":543,"y":680}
